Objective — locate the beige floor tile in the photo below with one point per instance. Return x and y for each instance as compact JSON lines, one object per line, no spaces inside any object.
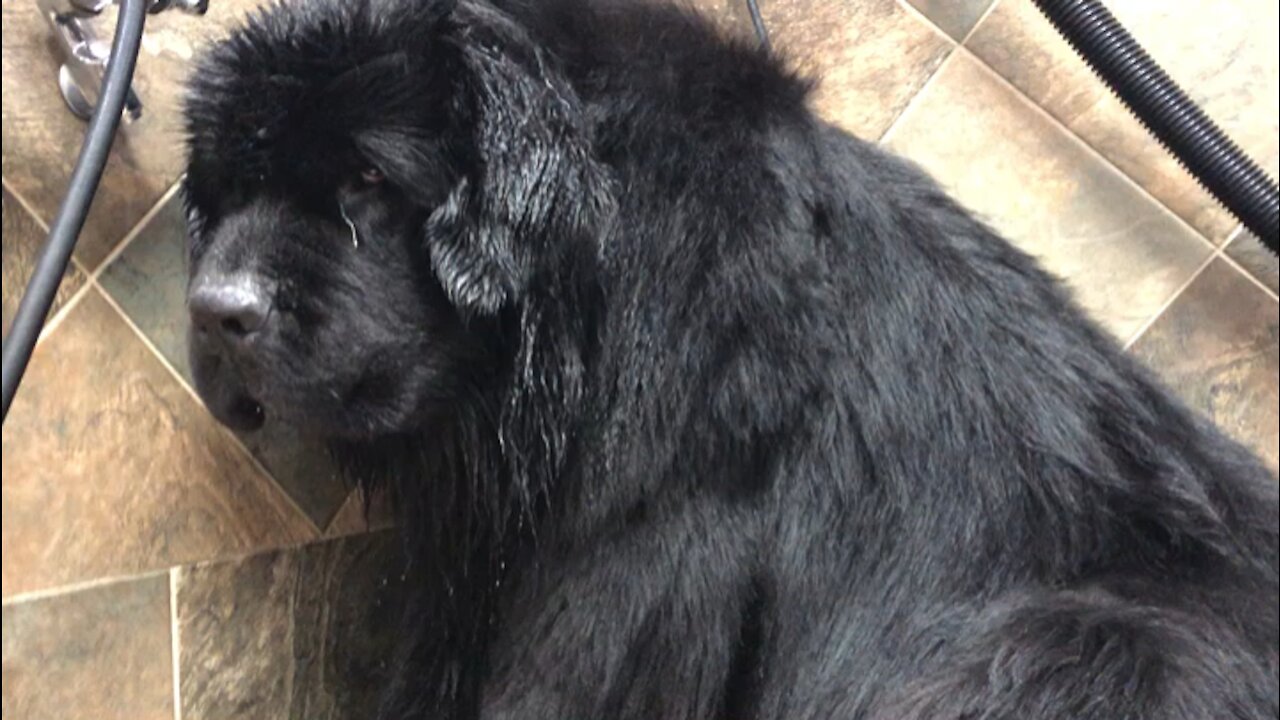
{"x":23,"y":239}
{"x":102,"y":653}
{"x":1216,"y":346}
{"x":1121,"y":252}
{"x":869,"y":57}
{"x":1224,"y":53}
{"x":111,"y":468}
{"x":956,"y":17}
{"x":303,"y":634}
{"x":1256,"y":259}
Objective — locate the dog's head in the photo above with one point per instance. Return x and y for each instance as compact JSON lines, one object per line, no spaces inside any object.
{"x":373,"y":185}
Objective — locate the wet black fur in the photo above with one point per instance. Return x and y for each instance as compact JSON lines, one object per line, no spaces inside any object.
{"x":694,"y":406}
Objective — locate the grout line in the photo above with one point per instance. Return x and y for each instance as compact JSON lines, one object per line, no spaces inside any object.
{"x":1245,"y":271}
{"x":46,"y":593}
{"x":175,"y":643}
{"x":55,"y":319}
{"x":1146,"y":325}
{"x":217,"y":559}
{"x":1089,"y":149}
{"x":91,"y":277}
{"x":317,"y":531}
{"x":951,"y":50}
{"x":1235,"y":233}
{"x":1239,"y":235}
{"x":915,"y":101}
{"x":25,"y":204}
{"x":137,"y":228}
{"x":182,"y":382}
{"x":926,"y":20}
{"x":981,"y":19}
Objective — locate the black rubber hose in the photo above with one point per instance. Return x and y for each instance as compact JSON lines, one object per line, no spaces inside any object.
{"x":1172,"y":117}
{"x":56,"y":253}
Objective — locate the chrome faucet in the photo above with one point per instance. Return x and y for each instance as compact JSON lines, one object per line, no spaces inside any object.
{"x":86,"y":48}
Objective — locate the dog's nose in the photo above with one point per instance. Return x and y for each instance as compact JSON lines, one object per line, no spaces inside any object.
{"x":234,"y":307}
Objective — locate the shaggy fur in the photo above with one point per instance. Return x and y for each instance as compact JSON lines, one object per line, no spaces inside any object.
{"x":692,"y":405}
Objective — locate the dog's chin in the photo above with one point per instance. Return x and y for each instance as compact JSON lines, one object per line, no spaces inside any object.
{"x":241,"y":413}
{"x":318,"y":418}
{"x":227,"y":400}
{"x":307,"y":409}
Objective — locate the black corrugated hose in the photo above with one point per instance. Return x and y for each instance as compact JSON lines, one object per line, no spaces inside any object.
{"x":1172,"y":117}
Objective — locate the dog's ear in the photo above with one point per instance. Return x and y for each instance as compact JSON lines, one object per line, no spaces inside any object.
{"x":533,"y":192}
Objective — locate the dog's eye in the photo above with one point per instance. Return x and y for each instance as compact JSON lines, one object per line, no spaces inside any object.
{"x":371,"y":176}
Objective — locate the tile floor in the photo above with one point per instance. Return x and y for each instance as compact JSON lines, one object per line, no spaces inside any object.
{"x":157,"y":566}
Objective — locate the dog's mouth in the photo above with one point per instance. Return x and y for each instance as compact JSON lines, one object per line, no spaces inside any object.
{"x":223,"y":391}
{"x":241,"y":413}
{"x":232,"y":406}
{"x":247,"y":401}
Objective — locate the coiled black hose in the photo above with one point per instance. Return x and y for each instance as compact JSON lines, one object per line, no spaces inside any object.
{"x":1172,"y":117}
{"x":56,"y":253}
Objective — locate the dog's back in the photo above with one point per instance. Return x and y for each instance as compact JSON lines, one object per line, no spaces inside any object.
{"x":941,"y":491}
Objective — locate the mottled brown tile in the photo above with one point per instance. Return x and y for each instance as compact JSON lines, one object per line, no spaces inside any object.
{"x":148,"y":280}
{"x":1121,"y":252}
{"x":101,"y":653}
{"x":41,"y":138}
{"x":955,"y":17}
{"x":1256,"y":259}
{"x":111,"y":468}
{"x":1216,"y":346}
{"x":1224,"y":53}
{"x":23,"y":238}
{"x":302,"y":634}
{"x":361,"y":515}
{"x":869,"y":57}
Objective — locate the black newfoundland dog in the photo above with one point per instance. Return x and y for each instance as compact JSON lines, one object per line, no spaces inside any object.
{"x":692,"y":405}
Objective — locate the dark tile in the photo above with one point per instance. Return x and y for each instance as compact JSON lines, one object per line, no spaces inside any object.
{"x":1256,"y":259}
{"x":303,"y":634}
{"x":1224,"y":53}
{"x":41,"y":138}
{"x":1216,"y":346}
{"x":302,"y":467}
{"x":955,"y":17}
{"x":148,"y":280}
{"x":869,"y":57}
{"x":111,"y":468}
{"x":1122,"y":253}
{"x":103,"y":653}
{"x":23,"y":238}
